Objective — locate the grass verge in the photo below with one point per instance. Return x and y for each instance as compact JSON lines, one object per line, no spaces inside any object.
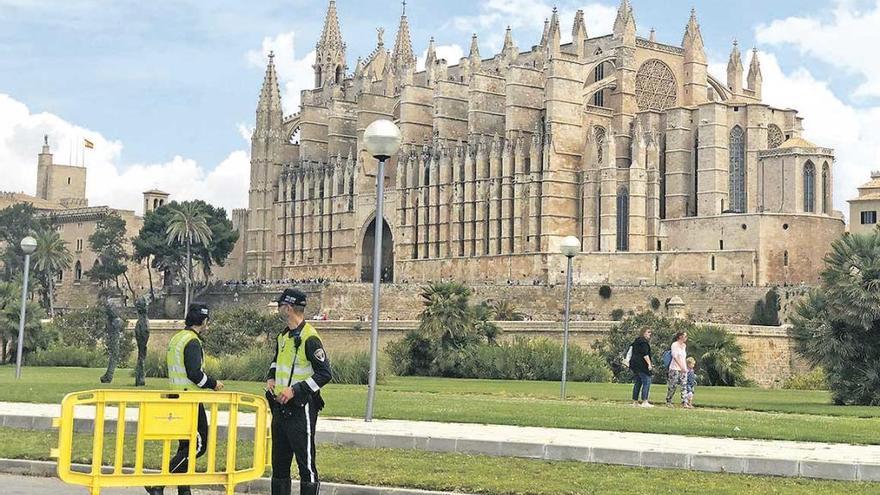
{"x":473,"y":473}
{"x":722,"y":412}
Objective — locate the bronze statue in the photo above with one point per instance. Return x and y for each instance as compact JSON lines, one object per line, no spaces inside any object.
{"x":142,"y":336}
{"x":114,"y":332}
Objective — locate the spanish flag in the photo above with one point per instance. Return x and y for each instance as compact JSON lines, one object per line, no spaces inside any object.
{"x":88,"y":144}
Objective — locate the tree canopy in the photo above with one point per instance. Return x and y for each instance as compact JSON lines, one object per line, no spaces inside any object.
{"x":17,"y":222}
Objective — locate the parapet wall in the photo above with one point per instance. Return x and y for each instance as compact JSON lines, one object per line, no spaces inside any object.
{"x":352,"y":301}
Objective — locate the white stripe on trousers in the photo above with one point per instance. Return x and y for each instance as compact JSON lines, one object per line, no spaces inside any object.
{"x":198,"y":448}
{"x":309,"y":444}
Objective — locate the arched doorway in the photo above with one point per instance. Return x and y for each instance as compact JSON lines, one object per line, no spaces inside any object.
{"x":367,"y":247}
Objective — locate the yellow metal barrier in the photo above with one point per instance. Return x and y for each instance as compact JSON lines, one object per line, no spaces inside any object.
{"x":162,"y":416}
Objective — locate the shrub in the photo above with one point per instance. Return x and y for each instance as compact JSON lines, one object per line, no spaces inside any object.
{"x":655,"y":303}
{"x":86,"y":329}
{"x":506,"y":311}
{"x":251,"y":365}
{"x":61,"y":355}
{"x":414,"y":354}
{"x":766,"y":311}
{"x":155,"y":365}
{"x":354,"y":368}
{"x":617,"y":314}
{"x":236,"y":330}
{"x":812,"y":380}
{"x":719,"y":357}
{"x":621,"y":336}
{"x":605,"y":292}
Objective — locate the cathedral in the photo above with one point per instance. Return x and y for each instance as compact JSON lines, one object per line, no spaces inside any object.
{"x":666,"y":174}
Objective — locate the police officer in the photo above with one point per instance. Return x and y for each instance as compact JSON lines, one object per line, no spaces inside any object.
{"x":297,"y":373}
{"x":186,"y":362}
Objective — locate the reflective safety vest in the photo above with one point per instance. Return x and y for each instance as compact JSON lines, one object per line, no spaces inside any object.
{"x":292,"y":364}
{"x":176,"y":368}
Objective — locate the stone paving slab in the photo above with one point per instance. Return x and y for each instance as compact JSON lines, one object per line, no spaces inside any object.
{"x":29,"y":477}
{"x":766,"y":457}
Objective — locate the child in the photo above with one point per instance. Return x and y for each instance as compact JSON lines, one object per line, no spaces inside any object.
{"x":691,"y":382}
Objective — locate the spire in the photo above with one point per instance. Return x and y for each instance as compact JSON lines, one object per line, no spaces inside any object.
{"x":508,"y":41}
{"x":330,"y":51}
{"x":431,"y":56}
{"x":474,"y":54}
{"x":331,"y":35}
{"x":545,"y":35}
{"x":553,"y":35}
{"x":579,"y":33}
{"x":625,"y":23}
{"x":270,"y":94}
{"x":735,"y":70}
{"x":693,"y":40}
{"x":653,"y":36}
{"x":755,"y":78}
{"x":403,"y":52}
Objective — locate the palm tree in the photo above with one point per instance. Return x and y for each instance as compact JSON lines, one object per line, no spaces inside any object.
{"x":51,"y":257}
{"x":447,"y":315}
{"x":189,"y":226}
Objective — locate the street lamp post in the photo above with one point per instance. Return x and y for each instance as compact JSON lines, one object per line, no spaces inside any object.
{"x":382,"y":139}
{"x":28,"y":246}
{"x":570,"y":247}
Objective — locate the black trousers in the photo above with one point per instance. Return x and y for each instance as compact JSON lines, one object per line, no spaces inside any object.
{"x":180,"y":462}
{"x":293,"y":435}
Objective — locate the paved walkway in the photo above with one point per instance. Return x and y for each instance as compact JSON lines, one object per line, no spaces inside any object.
{"x":778,"y":458}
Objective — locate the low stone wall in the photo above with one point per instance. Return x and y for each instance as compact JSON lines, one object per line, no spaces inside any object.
{"x":769,"y":351}
{"x":352,"y":301}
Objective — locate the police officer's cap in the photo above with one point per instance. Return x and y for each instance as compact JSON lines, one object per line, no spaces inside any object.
{"x":293,"y":297}
{"x":197,"y":313}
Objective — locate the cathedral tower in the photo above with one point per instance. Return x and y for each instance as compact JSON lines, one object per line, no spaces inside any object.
{"x":265,"y":165}
{"x":735,"y":70}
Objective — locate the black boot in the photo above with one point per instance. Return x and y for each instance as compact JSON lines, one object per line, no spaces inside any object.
{"x":184,"y":490}
{"x":155,"y":490}
{"x":306,"y":488}
{"x":280,"y":486}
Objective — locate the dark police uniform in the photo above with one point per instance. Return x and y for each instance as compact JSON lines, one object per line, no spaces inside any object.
{"x":300,"y":363}
{"x":186,"y":361}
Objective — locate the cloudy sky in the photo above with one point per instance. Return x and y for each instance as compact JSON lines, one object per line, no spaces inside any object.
{"x":167,"y":89}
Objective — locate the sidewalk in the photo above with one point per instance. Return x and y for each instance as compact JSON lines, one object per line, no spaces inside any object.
{"x":762,"y":457}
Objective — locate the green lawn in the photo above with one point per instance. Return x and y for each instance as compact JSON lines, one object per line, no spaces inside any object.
{"x":722,"y":412}
{"x":475,"y":474}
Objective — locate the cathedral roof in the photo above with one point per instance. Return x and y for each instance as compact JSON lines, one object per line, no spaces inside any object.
{"x":797,"y":142}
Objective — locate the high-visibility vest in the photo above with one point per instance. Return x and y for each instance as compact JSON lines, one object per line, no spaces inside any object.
{"x":176,"y":368}
{"x":292,"y":365}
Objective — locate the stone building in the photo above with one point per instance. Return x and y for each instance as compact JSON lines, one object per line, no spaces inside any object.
{"x":863,"y":209}
{"x":61,"y":196}
{"x":665,"y":174}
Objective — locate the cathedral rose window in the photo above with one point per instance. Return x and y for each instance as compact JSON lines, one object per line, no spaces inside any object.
{"x":655,"y":86}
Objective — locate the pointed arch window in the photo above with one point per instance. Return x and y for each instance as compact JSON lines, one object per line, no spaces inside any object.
{"x":339,"y":74}
{"x":78,"y":271}
{"x":318,"y":79}
{"x":826,"y":189}
{"x":809,"y":187}
{"x":623,"y":219}
{"x":737,"y":171}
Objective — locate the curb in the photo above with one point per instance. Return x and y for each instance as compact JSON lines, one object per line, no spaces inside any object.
{"x":47,"y":469}
{"x":707,"y":462}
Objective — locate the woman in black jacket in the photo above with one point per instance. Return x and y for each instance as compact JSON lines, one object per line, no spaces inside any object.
{"x":640,"y":364}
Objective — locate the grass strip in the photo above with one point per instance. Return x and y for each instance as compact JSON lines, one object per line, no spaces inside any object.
{"x":470,"y":473}
{"x":722,"y":412}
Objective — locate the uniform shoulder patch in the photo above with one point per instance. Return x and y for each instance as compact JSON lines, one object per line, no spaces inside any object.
{"x":319,"y":354}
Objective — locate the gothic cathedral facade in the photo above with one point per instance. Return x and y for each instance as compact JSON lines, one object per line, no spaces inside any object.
{"x":665,"y":174}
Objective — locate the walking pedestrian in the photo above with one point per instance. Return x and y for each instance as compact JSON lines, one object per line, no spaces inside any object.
{"x":677,"y":374}
{"x":642,"y":368}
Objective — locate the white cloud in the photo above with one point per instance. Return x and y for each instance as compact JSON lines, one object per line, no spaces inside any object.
{"x":21,"y":137}
{"x":828,"y":121}
{"x":526,"y":20}
{"x":294,"y":74}
{"x":452,"y":54}
{"x":847,"y":39}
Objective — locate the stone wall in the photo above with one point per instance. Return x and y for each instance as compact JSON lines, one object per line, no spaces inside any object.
{"x":352,"y":301}
{"x":768,"y":351}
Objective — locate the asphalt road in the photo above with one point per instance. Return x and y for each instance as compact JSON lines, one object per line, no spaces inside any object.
{"x":26,"y":485}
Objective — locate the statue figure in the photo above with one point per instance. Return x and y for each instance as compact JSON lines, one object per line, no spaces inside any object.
{"x":114,"y":332}
{"x":142,"y":336}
